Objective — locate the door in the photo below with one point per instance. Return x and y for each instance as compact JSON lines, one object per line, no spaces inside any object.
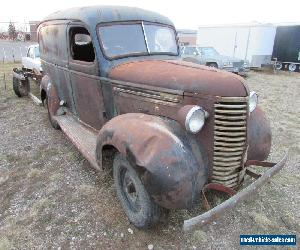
{"x":84,"y":77}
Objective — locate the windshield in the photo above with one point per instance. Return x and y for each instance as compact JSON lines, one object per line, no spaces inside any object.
{"x":209,"y":51}
{"x":122,"y":40}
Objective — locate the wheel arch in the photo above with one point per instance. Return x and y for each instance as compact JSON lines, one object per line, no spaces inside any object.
{"x":160,"y":150}
{"x":48,"y":90}
{"x":210,"y":62}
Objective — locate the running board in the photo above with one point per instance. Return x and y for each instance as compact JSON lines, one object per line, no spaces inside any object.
{"x":35,"y":99}
{"x":84,"y":138}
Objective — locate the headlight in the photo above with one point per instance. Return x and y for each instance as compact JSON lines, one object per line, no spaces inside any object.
{"x":253,"y":99}
{"x":195,"y":119}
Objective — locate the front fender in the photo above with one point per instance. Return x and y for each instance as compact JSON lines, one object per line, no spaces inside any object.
{"x":162,"y":153}
{"x":259,"y":136}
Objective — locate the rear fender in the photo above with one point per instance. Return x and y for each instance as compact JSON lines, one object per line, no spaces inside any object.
{"x":163,"y":154}
{"x":48,"y":90}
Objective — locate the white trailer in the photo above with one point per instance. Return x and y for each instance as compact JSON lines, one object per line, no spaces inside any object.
{"x":252,"y":42}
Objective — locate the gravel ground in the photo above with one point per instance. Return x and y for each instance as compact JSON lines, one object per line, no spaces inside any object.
{"x":50,"y":198}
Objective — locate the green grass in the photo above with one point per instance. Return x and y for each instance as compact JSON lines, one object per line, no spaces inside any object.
{"x":6,"y":70}
{"x":6,"y":75}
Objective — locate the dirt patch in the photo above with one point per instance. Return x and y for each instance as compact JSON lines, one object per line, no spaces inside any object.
{"x":50,"y":198}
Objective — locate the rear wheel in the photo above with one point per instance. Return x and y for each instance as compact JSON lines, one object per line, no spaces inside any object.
{"x":292,"y":67}
{"x":135,"y":200}
{"x":53,"y":122}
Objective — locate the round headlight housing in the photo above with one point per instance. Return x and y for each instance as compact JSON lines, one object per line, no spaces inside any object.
{"x":195,"y":119}
{"x":253,"y":100}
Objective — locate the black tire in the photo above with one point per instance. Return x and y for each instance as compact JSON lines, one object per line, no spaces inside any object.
{"x":278,"y":65}
{"x":212,"y":65}
{"x":292,"y":67}
{"x":53,"y":122}
{"x":20,"y":88}
{"x":140,"y":209}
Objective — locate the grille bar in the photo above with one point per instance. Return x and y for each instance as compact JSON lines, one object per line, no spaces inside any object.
{"x":232,"y":111}
{"x":226,"y":149}
{"x":230,"y":136}
{"x":231,"y":128}
{"x":228,"y":153}
{"x":229,"y":133}
{"x":239,"y":117}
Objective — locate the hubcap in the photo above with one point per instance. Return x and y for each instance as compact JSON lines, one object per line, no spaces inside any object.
{"x":278,"y":65}
{"x":292,"y":67}
{"x":129,"y":190}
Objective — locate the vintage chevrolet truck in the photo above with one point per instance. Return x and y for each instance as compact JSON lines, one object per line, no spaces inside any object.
{"x":114,"y":82}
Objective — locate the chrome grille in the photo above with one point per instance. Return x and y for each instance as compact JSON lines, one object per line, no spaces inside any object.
{"x":238,"y":64}
{"x":230,"y":136}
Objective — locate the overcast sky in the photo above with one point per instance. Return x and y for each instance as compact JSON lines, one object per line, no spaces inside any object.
{"x":188,"y":14}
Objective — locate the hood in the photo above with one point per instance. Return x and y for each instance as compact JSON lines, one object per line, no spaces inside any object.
{"x":180,"y":75}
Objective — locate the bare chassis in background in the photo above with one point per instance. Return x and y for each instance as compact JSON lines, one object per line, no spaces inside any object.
{"x":22,"y":83}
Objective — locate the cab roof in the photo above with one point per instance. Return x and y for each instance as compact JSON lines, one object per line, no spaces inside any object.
{"x":92,"y":15}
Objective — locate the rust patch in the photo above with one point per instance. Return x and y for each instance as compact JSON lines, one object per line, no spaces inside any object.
{"x":161,"y":152}
{"x":259,"y":136}
{"x":180,"y":75}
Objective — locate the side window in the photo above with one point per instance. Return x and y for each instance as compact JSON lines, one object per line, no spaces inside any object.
{"x":81,"y":46}
{"x":190,"y":51}
{"x":30,"y":53}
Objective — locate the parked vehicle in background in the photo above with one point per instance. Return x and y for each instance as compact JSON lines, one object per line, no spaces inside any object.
{"x":252,"y":42}
{"x":31,"y":72}
{"x":286,"y":50}
{"x":32,"y":61}
{"x":175,"y":128}
{"x":210,"y":57}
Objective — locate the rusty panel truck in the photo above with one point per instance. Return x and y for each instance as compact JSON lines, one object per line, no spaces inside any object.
{"x":114,"y":80}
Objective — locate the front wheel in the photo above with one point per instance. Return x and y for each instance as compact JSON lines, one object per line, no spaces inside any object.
{"x":135,"y":200}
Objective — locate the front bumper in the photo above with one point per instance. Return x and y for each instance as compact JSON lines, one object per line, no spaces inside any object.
{"x":215,"y":212}
{"x":238,"y":70}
